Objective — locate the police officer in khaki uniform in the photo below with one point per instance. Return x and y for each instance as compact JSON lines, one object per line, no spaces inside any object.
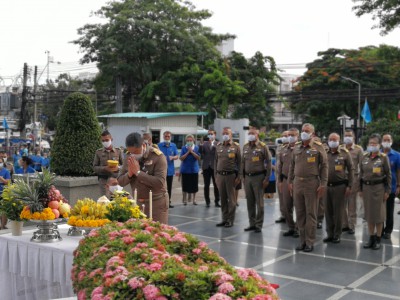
{"x":279,"y":148}
{"x":340,"y":181}
{"x":376,"y":180}
{"x":308,"y":176}
{"x":255,"y":169}
{"x":285,"y":157}
{"x":100,"y":166}
{"x":350,"y":212}
{"x":227,"y":166}
{"x":147,"y":138}
{"x":145,"y":169}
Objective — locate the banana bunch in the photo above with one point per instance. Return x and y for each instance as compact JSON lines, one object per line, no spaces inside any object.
{"x":88,"y":209}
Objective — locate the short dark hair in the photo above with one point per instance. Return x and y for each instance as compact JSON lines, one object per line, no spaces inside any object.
{"x":27,"y":160}
{"x":134,"y":139}
{"x":105,"y":133}
{"x":376,"y":136}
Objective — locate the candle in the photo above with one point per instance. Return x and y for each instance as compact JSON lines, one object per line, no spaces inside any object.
{"x":150,"y":205}
{"x":135,"y":195}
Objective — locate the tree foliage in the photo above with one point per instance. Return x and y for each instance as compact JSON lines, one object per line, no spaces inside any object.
{"x":383,"y":126}
{"x":387,"y":12}
{"x":323,"y":93}
{"x":77,"y":137}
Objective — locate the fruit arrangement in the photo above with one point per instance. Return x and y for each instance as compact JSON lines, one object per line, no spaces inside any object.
{"x":87,"y":213}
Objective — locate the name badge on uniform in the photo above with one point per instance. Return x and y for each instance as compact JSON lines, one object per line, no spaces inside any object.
{"x":376,"y":170}
{"x":231,"y":155}
{"x":148,"y":163}
{"x":255,"y":158}
{"x":311,"y":159}
{"x":338,"y":168}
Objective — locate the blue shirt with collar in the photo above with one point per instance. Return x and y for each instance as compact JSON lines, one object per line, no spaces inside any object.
{"x":394,"y":159}
{"x":169,"y":149}
{"x":20,"y":170}
{"x":6,"y":175}
{"x":190,"y":165}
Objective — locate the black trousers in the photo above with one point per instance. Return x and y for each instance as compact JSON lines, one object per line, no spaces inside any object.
{"x":207,"y":175}
{"x":388,"y":228}
{"x":169,"y":186}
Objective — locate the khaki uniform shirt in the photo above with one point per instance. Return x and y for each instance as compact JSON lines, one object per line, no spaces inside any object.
{"x":256,"y":158}
{"x":100,"y":161}
{"x":356,"y":153}
{"x":152,"y":176}
{"x":376,"y":169}
{"x":340,"y":167}
{"x":285,"y":156}
{"x":309,"y":161}
{"x":227,"y":157}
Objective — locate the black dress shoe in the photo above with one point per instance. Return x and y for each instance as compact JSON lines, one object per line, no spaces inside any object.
{"x":319,"y":225}
{"x":300,"y":247}
{"x":296,"y":234}
{"x":377,"y":244}
{"x":308,"y":248}
{"x":351,"y":231}
{"x":217,"y":205}
{"x":288,"y":233}
{"x":221,"y":224}
{"x":336,"y":240}
{"x":370,"y":242}
{"x":228,"y":224}
{"x":258,"y":230}
{"x":386,"y":236}
{"x":207,"y":204}
{"x":328,"y":239}
{"x":345,"y":229}
{"x":250,"y":228}
{"x":280,"y":220}
{"x":398,"y":212}
{"x":171,"y":206}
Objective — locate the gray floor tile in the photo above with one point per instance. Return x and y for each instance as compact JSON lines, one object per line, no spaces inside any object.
{"x":388,"y":276}
{"x":354,"y":295}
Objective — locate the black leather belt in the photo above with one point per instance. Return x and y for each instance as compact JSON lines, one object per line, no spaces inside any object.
{"x":282,"y":176}
{"x":338,"y":183}
{"x":225,"y":172}
{"x":373,"y":182}
{"x":254,"y":174}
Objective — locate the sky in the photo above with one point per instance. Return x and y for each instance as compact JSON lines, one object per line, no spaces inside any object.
{"x":291,"y":31}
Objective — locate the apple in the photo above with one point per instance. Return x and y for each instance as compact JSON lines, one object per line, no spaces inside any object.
{"x":54,"y":204}
{"x":56,"y":213}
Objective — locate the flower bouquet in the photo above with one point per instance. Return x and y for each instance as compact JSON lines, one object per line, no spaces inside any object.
{"x":142,"y":259}
{"x":11,"y":206}
{"x":87,"y":213}
{"x":122,"y":208}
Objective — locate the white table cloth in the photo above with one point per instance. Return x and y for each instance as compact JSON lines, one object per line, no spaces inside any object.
{"x":30,"y":271}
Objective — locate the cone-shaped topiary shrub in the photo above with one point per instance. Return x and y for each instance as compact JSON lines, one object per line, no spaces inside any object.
{"x":77,"y":137}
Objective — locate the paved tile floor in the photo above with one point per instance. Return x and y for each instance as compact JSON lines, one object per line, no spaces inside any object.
{"x":331,"y":271}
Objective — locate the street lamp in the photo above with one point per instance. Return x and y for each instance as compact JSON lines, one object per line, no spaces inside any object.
{"x":359,"y":99}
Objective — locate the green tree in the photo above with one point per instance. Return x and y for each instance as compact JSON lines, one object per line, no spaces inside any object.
{"x":142,"y":40}
{"x":323,"y":95}
{"x":382,"y":126}
{"x":387,"y":12}
{"x":77,"y":137}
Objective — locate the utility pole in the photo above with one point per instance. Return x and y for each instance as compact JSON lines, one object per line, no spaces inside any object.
{"x":34,"y":94}
{"x":22,"y":120}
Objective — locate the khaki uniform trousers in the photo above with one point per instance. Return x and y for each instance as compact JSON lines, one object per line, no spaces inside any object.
{"x":306,"y":205}
{"x":288,"y":205}
{"x":226,"y":188}
{"x":281,"y":203}
{"x":334,"y":208}
{"x":102,"y":186}
{"x":255,"y":199}
{"x":159,"y":209}
{"x":350,"y":210}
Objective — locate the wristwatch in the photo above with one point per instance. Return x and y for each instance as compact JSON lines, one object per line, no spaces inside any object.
{"x":137,"y":173}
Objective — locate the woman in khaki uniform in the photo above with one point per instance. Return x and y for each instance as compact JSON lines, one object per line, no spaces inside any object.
{"x":375,"y":183}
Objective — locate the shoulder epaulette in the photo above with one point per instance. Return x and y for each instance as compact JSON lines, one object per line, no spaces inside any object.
{"x":246,"y":144}
{"x":382,"y":154}
{"x":358,"y":146}
{"x":344,"y":149}
{"x":318,"y":143}
{"x":237,"y":144}
{"x":262,"y":144}
{"x":298,"y":142}
{"x":156,"y":151}
{"x":219,"y":143}
{"x":366,"y":153}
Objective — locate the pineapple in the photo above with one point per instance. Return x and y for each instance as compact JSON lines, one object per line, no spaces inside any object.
{"x":28,"y":195}
{"x":43,"y":184}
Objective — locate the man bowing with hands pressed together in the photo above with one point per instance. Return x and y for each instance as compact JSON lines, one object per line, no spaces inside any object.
{"x":145,"y":169}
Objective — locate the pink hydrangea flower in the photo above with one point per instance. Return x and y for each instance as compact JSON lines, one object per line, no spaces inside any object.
{"x":243,"y":273}
{"x":202,"y":268}
{"x":226,"y":288}
{"x":95,"y":272}
{"x":82,"y":294}
{"x":82,"y":275}
{"x":97,"y":291}
{"x":93,"y":233}
{"x":150,"y":292}
{"x":119,"y":278}
{"x":125,"y":232}
{"x":128,"y":240}
{"x":196,"y":251}
{"x":142,"y":245}
{"x":103,"y":249}
{"x":179,"y":237}
{"x":262,"y":297}
{"x":219,"y":296}
{"x":154,"y":267}
{"x":202,"y":245}
{"x":135,"y":282}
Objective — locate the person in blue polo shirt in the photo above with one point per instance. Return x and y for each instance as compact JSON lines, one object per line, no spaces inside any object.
{"x":4,"y":180}
{"x":25,"y":166}
{"x":394,"y":158}
{"x":171,"y":153}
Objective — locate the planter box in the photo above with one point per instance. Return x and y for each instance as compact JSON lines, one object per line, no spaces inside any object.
{"x":74,"y":188}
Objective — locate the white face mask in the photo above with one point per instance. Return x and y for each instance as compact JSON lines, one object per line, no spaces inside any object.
{"x":348,"y":140}
{"x":225,"y":137}
{"x":211,"y":137}
{"x":373,"y":148}
{"x":1,"y":165}
{"x":138,"y":156}
{"x":106,"y":144}
{"x":252,"y":138}
{"x":333,"y":144}
{"x":292,"y":139}
{"x":285,"y":140}
{"x":386,"y":145}
{"x":146,"y":141}
{"x":305,"y":136}
{"x":114,"y":188}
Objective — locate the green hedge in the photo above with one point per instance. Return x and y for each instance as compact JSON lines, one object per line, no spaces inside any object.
{"x":77,"y":137}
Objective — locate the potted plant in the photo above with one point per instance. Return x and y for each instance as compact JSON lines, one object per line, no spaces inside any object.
{"x":12,"y":208}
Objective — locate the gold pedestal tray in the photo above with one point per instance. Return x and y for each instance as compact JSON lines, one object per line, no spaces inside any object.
{"x":47,"y":231}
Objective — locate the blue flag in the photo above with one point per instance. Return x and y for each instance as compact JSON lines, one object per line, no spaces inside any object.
{"x":366,"y":113}
{"x":5,"y":125}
